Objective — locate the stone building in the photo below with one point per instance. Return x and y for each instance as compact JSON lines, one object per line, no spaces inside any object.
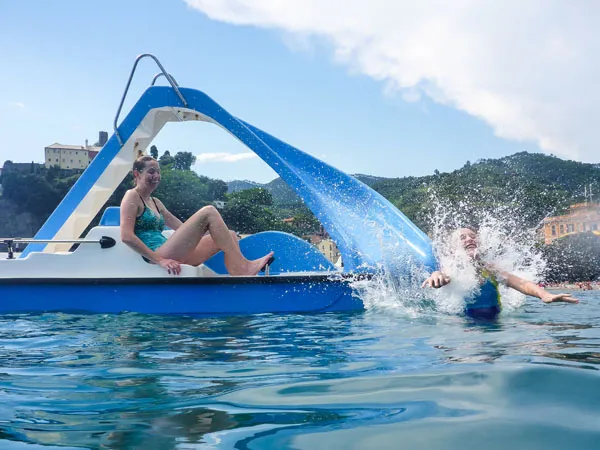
{"x":69,"y":156}
{"x":581,"y":217}
{"x":73,"y":156}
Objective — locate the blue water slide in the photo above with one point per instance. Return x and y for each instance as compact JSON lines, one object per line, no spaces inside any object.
{"x":369,"y":231}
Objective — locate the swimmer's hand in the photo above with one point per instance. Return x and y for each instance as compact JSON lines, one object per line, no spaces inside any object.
{"x":550,"y":298}
{"x":170,"y":265}
{"x":436,"y":280}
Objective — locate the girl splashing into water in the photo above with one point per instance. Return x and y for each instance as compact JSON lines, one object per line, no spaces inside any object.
{"x":486,"y":299}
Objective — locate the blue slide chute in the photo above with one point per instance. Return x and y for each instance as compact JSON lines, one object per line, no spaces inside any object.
{"x":370,"y":232}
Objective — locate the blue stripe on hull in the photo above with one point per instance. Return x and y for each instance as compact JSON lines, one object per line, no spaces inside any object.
{"x":169,"y":298}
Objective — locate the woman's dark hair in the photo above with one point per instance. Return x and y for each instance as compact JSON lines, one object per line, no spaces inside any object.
{"x":141,"y":161}
{"x":470,"y":226}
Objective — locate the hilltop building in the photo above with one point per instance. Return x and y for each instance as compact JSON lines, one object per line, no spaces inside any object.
{"x":73,"y":156}
{"x":581,"y":217}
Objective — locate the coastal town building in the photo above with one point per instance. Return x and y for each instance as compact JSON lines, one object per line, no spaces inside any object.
{"x":73,"y":156}
{"x":321,"y":240}
{"x":329,"y":249}
{"x":580,"y":218}
{"x":325,"y":245}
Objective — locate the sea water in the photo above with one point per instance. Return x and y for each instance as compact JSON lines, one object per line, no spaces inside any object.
{"x":385,"y":378}
{"x":409,"y":372}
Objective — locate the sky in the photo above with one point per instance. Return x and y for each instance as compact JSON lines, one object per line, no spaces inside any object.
{"x":387,"y":88}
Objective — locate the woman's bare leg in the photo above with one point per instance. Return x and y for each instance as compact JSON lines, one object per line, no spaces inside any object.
{"x":188,"y":236}
{"x":205,"y":249}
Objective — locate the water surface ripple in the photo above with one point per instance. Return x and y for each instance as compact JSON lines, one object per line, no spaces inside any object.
{"x":377,"y":379}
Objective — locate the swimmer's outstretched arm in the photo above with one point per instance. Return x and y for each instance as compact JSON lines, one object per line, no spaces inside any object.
{"x":436,"y":280}
{"x":529,"y":288}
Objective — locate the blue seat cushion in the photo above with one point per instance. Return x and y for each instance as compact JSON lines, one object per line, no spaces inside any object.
{"x":292,"y":254}
{"x":111,"y":217}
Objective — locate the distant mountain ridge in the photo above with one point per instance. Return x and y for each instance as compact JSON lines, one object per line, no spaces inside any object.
{"x":282,"y":194}
{"x":241,"y":185}
{"x":541,"y":184}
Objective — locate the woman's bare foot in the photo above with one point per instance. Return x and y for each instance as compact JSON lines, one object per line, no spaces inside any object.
{"x":247,"y":267}
{"x":260,"y":263}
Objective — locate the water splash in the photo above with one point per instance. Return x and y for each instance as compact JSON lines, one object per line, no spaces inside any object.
{"x":505,"y":241}
{"x":396,"y":287}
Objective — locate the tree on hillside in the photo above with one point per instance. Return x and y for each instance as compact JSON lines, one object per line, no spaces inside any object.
{"x":166,"y":160}
{"x":154,"y":152}
{"x":246,"y":217}
{"x":182,"y":192}
{"x":183,"y":161}
{"x":63,"y":185}
{"x":257,"y":196}
{"x":31,"y":193}
{"x":217,"y":189}
{"x":52,"y":173}
{"x":247,"y":211}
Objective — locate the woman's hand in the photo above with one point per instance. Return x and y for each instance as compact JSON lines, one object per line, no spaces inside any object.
{"x":550,"y":298}
{"x":170,"y":265}
{"x":436,"y":280}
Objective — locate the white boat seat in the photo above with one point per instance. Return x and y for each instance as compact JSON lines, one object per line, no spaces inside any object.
{"x":91,"y":261}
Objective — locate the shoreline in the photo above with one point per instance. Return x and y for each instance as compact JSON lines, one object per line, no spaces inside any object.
{"x":577,"y":286}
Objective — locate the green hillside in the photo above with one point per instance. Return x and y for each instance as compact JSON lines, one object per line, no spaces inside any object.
{"x":533,"y":184}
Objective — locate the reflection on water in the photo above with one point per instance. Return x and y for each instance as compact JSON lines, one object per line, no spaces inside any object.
{"x":362,"y":380}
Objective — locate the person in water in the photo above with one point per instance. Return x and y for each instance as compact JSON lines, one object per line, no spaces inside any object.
{"x":143,"y":218}
{"x":490,"y":275}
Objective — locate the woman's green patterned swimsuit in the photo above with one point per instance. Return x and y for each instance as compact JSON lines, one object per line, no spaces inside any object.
{"x":149,"y":228}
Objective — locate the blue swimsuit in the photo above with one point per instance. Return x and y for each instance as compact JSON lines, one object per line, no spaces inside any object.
{"x":486,"y":303}
{"x":148,"y":227}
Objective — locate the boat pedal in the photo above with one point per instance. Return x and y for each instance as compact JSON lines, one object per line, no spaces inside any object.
{"x":267,"y":266}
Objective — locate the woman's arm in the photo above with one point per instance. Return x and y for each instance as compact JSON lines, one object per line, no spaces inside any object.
{"x":171,"y":221}
{"x":529,"y":288}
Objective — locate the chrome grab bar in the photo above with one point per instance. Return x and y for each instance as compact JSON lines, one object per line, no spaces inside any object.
{"x":163,"y":72}
{"x":104,"y":241}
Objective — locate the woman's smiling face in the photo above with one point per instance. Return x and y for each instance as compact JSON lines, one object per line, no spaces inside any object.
{"x":149,"y":176}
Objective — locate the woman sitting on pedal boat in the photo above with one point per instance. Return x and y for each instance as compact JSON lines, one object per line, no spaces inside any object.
{"x":143,"y":218}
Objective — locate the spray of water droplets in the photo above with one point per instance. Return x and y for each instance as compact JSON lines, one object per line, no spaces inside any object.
{"x":505,"y":241}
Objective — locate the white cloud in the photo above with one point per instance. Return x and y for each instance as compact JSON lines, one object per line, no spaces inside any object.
{"x":223,"y":157}
{"x":526,"y":67}
{"x":17,"y":104}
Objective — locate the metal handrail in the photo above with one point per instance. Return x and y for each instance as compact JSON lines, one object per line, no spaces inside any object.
{"x":169,"y":78}
{"x":160,"y":74}
{"x":104,"y":241}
